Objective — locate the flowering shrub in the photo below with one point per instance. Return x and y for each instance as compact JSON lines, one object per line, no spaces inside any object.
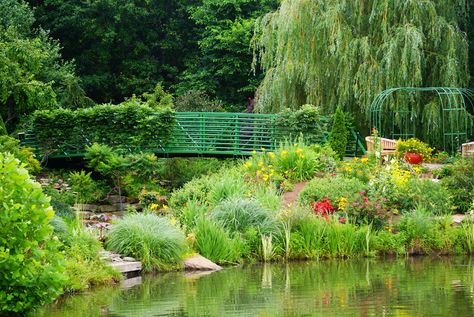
{"x":391,"y":181}
{"x":414,"y":145}
{"x":332,"y":187}
{"x":292,"y":162}
{"x":363,"y":209}
{"x":360,"y":168}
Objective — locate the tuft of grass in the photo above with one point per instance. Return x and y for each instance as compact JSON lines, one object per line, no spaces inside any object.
{"x":238,"y":214}
{"x":268,"y":198}
{"x":227,"y":186}
{"x":189,"y":214}
{"x":152,"y":239}
{"x":214,"y":243}
{"x":267,"y":248}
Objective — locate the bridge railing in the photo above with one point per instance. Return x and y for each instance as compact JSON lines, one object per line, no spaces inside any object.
{"x":222,"y":133}
{"x":209,"y":133}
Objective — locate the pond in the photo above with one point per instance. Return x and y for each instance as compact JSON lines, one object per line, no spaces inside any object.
{"x":398,"y":287}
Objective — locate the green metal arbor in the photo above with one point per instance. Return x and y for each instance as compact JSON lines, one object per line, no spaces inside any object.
{"x":441,"y":116}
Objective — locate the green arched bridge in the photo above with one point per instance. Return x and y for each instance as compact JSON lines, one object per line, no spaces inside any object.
{"x":207,"y":134}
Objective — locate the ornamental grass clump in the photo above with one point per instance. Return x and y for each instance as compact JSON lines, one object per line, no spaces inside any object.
{"x":214,"y":243}
{"x":149,"y":238}
{"x":238,"y":214}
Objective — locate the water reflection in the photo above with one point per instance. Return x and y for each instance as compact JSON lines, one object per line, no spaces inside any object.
{"x":403,"y":287}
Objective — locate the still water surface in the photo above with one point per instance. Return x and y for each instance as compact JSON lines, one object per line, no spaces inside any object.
{"x":400,"y":287}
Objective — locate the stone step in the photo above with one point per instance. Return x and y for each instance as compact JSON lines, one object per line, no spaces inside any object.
{"x":127,"y":267}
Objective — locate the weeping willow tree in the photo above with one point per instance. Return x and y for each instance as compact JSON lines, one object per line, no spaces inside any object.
{"x":344,"y":52}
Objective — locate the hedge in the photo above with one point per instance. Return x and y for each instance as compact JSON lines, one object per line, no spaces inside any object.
{"x":128,"y":126}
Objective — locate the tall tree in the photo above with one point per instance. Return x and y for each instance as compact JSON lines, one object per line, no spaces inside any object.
{"x":222,"y":66}
{"x":120,"y":47}
{"x":32,"y":73}
{"x":343,"y":52}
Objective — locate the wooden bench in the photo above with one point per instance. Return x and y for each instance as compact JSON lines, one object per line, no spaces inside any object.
{"x":467,"y":150}
{"x":387,"y":146}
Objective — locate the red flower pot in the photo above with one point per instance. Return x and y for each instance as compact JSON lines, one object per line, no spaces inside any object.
{"x":412,"y":158}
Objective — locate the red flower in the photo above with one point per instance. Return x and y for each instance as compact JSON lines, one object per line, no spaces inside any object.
{"x":342,"y":220}
{"x":323,"y":207}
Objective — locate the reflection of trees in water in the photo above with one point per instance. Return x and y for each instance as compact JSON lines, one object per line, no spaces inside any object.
{"x":397,"y":287}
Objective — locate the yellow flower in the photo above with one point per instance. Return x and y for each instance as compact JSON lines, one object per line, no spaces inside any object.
{"x":272,"y":155}
{"x":356,"y":159}
{"x":254,"y":152}
{"x":248,"y":165}
{"x":265,"y":177}
{"x":284,"y":153}
{"x":342,"y":204}
{"x":301,"y":156}
{"x":364,"y":160}
{"x":298,"y":151}
{"x":154,"y":206}
{"x":260,"y":164}
{"x":270,"y":166}
{"x":165,"y":207}
{"x":259,"y":172}
{"x":191,"y":237}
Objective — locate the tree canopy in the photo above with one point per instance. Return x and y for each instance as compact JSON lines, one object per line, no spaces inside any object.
{"x":32,"y":72}
{"x":125,"y":48}
{"x":343,"y":52}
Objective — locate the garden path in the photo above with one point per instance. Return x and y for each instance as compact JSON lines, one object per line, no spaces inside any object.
{"x":289,"y":198}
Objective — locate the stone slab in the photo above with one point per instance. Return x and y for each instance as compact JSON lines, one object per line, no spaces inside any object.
{"x":127,"y":267}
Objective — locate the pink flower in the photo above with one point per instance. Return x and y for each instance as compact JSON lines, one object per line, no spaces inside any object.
{"x":363,"y":192}
{"x":342,"y":220}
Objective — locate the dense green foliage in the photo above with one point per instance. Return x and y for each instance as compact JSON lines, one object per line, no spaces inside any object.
{"x":31,"y":272}
{"x":330,"y":187}
{"x":339,"y":134}
{"x":459,"y":181}
{"x":306,"y":121}
{"x":223,"y":62}
{"x":25,"y":155}
{"x":33,"y":74}
{"x":154,"y":240}
{"x":129,"y":124}
{"x":342,"y":53}
{"x":189,"y":45}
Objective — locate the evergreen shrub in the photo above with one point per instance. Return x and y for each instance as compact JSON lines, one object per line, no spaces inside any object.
{"x":339,"y":133}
